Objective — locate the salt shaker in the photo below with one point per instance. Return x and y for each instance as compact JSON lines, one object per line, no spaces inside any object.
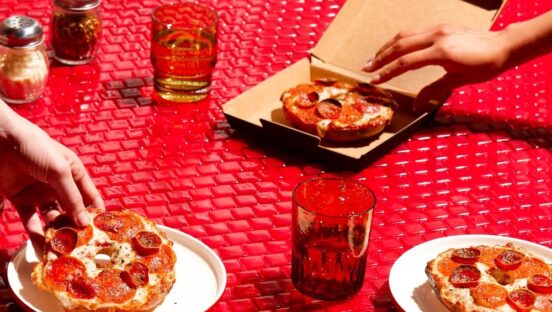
{"x":23,"y":60}
{"x":76,"y":29}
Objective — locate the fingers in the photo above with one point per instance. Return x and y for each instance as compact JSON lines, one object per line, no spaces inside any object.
{"x":91,"y":195}
{"x":398,"y":48}
{"x":88,"y":189}
{"x":32,"y":223}
{"x":70,"y":196}
{"x":402,"y":35}
{"x":75,"y":188}
{"x":405,"y":63}
{"x":50,"y":211}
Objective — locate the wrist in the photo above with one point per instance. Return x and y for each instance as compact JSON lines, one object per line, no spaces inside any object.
{"x":513,"y":42}
{"x":529,"y":39}
{"x":7,"y":119}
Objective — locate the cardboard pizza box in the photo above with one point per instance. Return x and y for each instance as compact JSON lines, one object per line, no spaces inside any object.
{"x":358,"y":30}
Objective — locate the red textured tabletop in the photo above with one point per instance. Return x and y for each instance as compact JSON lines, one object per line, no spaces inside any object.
{"x":483,"y":166}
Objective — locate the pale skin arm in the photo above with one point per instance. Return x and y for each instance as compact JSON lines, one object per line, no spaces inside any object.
{"x":37,"y":172}
{"x":467,"y":55}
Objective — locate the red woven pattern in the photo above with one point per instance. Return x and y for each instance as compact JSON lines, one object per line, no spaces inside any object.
{"x":483,"y":167}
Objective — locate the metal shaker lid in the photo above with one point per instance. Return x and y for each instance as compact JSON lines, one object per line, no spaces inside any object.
{"x":20,"y":31}
{"x":77,"y":5}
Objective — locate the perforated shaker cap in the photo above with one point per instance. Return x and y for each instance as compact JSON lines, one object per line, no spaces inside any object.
{"x":20,"y":31}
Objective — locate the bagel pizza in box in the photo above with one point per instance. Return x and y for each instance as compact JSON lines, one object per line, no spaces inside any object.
{"x":323,"y":105}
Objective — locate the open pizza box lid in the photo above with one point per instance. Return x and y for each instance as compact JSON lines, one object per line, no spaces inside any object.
{"x":358,"y":30}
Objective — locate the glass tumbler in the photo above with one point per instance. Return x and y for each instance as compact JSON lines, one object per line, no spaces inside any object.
{"x":183,"y":51}
{"x":330,"y":230}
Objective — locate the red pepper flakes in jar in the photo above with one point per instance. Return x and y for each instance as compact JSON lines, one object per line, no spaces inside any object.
{"x":76,"y":30}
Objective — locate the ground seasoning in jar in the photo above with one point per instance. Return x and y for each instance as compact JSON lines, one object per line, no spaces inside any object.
{"x":23,"y":60}
{"x":76,"y":29}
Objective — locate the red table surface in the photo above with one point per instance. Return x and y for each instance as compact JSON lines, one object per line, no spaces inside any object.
{"x":483,"y":166}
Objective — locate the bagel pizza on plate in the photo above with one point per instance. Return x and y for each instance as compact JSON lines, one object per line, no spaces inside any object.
{"x":491,"y":278}
{"x":120,"y":262}
{"x":338,"y":111}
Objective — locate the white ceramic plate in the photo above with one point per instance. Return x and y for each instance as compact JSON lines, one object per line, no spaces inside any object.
{"x":408,"y":281}
{"x":200,"y":277}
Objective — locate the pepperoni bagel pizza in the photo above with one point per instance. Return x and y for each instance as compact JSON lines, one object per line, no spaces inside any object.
{"x":491,"y":278}
{"x":338,"y":111}
{"x":120,"y":262}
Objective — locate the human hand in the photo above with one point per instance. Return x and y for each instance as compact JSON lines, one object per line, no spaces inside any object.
{"x":468,"y":56}
{"x":37,"y":171}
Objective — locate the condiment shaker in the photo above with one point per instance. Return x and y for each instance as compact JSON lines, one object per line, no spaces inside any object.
{"x":23,"y":60}
{"x":76,"y":30}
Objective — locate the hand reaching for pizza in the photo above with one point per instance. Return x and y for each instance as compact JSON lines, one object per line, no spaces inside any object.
{"x":37,"y":171}
{"x":467,"y":55}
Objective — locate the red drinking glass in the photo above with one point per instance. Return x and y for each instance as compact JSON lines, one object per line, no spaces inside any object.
{"x":331,"y":228}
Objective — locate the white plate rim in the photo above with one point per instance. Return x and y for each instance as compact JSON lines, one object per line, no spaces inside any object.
{"x":399,"y":283}
{"x":177,"y":236}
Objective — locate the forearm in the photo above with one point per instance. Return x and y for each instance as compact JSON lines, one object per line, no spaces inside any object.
{"x":529,"y":39}
{"x":11,"y":126}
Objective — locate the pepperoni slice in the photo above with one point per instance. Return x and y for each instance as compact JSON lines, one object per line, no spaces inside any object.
{"x":509,"y":259}
{"x":112,"y":288}
{"x":522,"y":300}
{"x":64,"y":240}
{"x":146,"y":243}
{"x":329,"y":109}
{"x":466,"y":255}
{"x":313,"y":96}
{"x":135,"y":274}
{"x":540,"y":283}
{"x":489,"y":295}
{"x":488,"y":255}
{"x":63,"y":269}
{"x":61,"y":221}
{"x":306,"y":100}
{"x":82,"y":288}
{"x":64,"y":221}
{"x":367,"y":89}
{"x":327,"y":82}
{"x":465,"y":276}
{"x":108,"y":222}
{"x":367,"y":108}
{"x":161,"y":261}
{"x":118,"y":226}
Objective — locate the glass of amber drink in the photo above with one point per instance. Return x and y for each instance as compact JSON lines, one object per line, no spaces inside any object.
{"x":183,"y":51}
{"x":330,"y":229}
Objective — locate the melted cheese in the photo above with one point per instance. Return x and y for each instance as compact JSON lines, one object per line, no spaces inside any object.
{"x":332,"y":93}
{"x":322,"y":127}
{"x":121,"y":254}
{"x":464,"y":295}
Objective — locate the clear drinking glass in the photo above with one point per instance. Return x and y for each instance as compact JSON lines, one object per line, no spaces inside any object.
{"x":331,"y":227}
{"x":183,"y":51}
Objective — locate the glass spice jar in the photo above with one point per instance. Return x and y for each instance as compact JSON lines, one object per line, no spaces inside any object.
{"x":23,"y":60}
{"x":76,"y":29}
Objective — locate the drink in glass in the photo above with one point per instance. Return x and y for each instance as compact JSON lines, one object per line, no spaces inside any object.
{"x":183,"y":51}
{"x":331,"y":227}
